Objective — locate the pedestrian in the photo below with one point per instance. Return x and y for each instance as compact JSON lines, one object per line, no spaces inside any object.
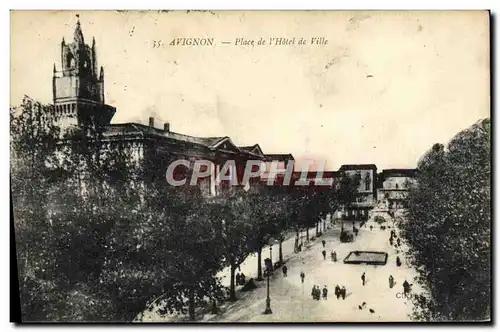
{"x":371,"y":227}
{"x":313,"y":292}
{"x":391,"y":241}
{"x":391,"y":281}
{"x":318,"y":293}
{"x":284,"y":269}
{"x":324,"y":254}
{"x":337,"y":291}
{"x":398,"y":261}
{"x":302,"y":276}
{"x":331,"y":255}
{"x":363,"y":278}
{"x":343,"y":292}
{"x":324,"y":243}
{"x":242,"y":279}
{"x":238,"y":277}
{"x":334,"y":256}
{"x":406,"y":287}
{"x":399,"y":242}
{"x":325,"y":293}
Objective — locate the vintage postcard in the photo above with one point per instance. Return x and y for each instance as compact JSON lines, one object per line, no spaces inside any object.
{"x":251,"y":166}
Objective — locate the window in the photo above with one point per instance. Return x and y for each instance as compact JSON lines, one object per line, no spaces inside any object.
{"x":367,"y":181}
{"x":70,"y":61}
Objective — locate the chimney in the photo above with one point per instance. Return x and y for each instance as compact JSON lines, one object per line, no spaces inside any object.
{"x":166,"y":127}
{"x":151,"y":122}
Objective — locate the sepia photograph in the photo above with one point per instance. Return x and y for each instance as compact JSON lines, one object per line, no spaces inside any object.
{"x":197,"y":166}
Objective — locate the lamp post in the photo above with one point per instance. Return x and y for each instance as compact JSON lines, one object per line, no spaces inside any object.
{"x":268,"y":310}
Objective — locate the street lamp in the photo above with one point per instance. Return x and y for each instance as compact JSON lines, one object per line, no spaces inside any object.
{"x":268,"y":310}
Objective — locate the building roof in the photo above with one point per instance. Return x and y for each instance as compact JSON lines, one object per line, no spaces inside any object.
{"x":279,"y":157}
{"x":399,"y":172}
{"x":253,"y":149}
{"x":137,"y":128}
{"x":222,"y":143}
{"x":351,"y":167}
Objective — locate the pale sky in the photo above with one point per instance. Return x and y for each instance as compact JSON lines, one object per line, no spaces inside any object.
{"x":385,"y":88}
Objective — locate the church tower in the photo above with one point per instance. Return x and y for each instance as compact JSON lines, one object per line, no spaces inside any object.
{"x":78,"y":89}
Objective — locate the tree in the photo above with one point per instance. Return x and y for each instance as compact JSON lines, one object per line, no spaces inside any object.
{"x":234,"y":220}
{"x":347,"y":189}
{"x":33,"y":158}
{"x":267,"y":214}
{"x":448,"y":227}
{"x":169,"y":257}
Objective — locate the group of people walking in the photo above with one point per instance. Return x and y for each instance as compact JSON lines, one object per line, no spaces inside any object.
{"x":333,"y":254}
{"x":316,"y":293}
{"x":340,"y":292}
{"x":240,"y":279}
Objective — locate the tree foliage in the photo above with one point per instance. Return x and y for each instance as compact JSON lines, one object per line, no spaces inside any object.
{"x":448,"y":226}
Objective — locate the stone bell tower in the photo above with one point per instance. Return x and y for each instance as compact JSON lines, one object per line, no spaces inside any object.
{"x":78,"y":88}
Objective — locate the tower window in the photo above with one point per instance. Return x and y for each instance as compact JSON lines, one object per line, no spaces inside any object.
{"x":70,"y":61}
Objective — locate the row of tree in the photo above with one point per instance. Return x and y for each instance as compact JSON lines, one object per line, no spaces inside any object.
{"x":97,"y":239}
{"x":448,"y":226}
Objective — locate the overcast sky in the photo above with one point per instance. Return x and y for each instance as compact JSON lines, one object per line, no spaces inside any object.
{"x":385,"y":88}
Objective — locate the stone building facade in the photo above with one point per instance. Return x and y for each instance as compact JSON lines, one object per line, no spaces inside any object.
{"x":366,"y":194}
{"x":395,"y":185}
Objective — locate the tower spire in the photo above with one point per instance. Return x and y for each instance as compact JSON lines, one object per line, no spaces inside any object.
{"x":78,"y":34}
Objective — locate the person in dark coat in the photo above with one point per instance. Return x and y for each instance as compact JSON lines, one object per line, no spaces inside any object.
{"x":324,"y":243}
{"x":325,"y":293}
{"x":302,"y":276}
{"x":398,"y":261}
{"x":334,"y":256}
{"x":285,"y":270}
{"x":242,"y":279}
{"x":343,"y":292}
{"x":363,"y":278}
{"x":391,"y":281}
{"x":237,"y":278}
{"x":337,"y":291}
{"x":391,"y":241}
{"x":399,"y":242}
{"x":316,"y":293}
{"x":406,"y":287}
{"x":324,"y":254}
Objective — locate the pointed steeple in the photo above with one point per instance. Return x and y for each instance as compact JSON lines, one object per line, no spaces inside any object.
{"x":78,"y":34}
{"x":54,"y":68}
{"x":101,"y":76}
{"x":63,"y":42}
{"x":93,"y":42}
